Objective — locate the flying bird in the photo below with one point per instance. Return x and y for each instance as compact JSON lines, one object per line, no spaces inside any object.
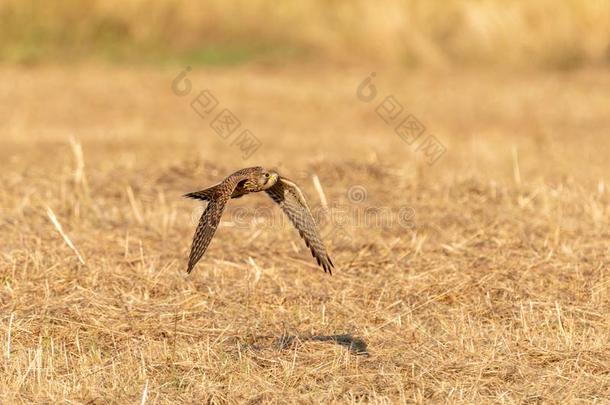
{"x":253,"y":180}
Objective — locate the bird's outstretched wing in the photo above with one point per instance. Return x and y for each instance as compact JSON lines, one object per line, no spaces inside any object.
{"x":217,"y":197}
{"x":290,"y":198}
{"x":206,"y":229}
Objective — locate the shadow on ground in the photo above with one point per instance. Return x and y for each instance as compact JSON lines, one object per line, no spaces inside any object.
{"x":355,"y":345}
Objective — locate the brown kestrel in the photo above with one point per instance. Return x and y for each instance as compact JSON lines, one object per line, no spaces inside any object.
{"x":252,"y":180}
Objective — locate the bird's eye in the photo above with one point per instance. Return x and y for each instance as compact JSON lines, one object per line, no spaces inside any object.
{"x":267,"y":175}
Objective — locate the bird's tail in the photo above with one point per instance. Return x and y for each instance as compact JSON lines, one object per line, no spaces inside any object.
{"x":205,"y":194}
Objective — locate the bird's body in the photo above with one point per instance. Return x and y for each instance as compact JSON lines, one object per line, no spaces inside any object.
{"x":252,"y":180}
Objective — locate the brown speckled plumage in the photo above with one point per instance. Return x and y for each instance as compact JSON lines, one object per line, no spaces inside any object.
{"x":251,"y":180}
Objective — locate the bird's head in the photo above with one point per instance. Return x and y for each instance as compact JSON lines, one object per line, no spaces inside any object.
{"x":267,"y":179}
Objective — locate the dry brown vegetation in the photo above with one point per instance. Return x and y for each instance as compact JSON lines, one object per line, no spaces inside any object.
{"x":500,"y":293}
{"x":549,"y":33}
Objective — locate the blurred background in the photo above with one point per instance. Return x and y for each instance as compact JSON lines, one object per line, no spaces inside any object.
{"x":469,"y":71}
{"x":545,"y":34}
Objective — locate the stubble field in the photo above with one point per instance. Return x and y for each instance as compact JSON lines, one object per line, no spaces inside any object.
{"x":480,"y":278}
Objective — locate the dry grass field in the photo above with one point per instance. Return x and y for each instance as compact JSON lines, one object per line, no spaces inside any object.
{"x":495,"y":290}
